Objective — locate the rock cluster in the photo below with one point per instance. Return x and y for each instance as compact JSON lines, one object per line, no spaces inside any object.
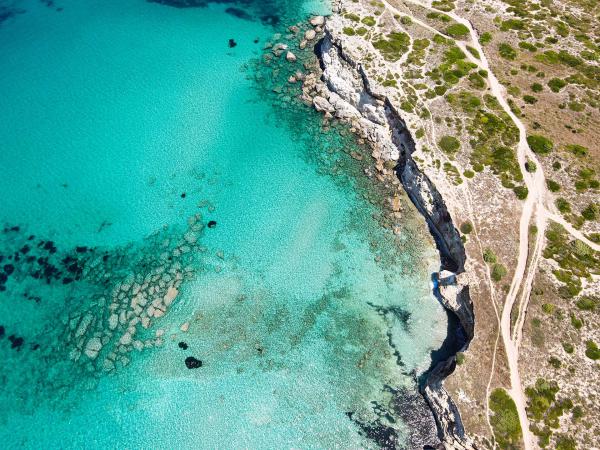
{"x":118,"y":322}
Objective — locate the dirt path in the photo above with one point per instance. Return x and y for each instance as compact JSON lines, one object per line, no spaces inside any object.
{"x":535,"y":183}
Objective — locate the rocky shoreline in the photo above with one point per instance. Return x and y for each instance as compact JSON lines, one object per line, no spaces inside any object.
{"x":343,"y":92}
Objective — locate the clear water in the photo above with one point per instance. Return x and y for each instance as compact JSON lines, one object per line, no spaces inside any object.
{"x":120,"y":121}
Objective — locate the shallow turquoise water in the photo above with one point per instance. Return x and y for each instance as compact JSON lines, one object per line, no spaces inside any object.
{"x":121,"y":120}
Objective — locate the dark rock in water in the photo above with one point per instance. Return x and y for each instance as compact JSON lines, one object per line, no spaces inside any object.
{"x":81,"y":249}
{"x":192,"y":363}
{"x":383,"y":435}
{"x":25,"y":249}
{"x":212,"y":224}
{"x":270,"y":20}
{"x":183,"y":195}
{"x":256,"y":41}
{"x":3,"y":277}
{"x":67,"y":280}
{"x":8,"y":269}
{"x":2,"y":331}
{"x":35,"y":346}
{"x":239,"y":13}
{"x":183,"y":345}
{"x":17,"y":342}
{"x":232,"y":43}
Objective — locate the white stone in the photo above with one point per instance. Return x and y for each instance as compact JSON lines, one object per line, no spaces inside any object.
{"x":310,"y":35}
{"x":113,"y":321}
{"x":93,"y":347}
{"x":170,"y":295}
{"x":317,"y":21}
{"x":126,"y":339}
{"x":321,"y":104}
{"x":185,"y":327}
{"x":290,"y":57}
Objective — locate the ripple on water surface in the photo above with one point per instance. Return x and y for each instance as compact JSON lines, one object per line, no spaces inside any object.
{"x":180,"y":268}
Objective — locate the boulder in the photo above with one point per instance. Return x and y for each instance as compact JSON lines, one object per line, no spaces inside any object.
{"x":290,"y":57}
{"x":310,"y":35}
{"x":192,"y":363}
{"x":322,"y":104}
{"x":317,"y":21}
{"x":93,"y":347}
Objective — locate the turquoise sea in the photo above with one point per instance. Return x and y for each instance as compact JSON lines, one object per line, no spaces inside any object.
{"x":168,"y":202}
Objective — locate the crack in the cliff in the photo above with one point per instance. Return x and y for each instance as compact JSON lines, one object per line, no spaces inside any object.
{"x":450,"y":247}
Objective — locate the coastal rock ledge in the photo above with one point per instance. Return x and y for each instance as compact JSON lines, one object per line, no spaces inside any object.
{"x":345,"y":93}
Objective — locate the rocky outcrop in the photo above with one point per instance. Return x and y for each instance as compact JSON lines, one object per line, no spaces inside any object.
{"x":348,"y":92}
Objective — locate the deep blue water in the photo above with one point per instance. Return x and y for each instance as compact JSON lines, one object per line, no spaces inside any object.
{"x":152,"y":175}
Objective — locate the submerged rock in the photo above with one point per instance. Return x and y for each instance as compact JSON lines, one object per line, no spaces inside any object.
{"x":192,"y":363}
{"x":182,"y":345}
{"x":93,"y":347}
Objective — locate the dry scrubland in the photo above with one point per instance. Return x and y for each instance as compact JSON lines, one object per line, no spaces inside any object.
{"x":546,"y":54}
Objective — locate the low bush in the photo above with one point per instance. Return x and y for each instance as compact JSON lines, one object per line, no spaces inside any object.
{"x":466,"y":227}
{"x":498,"y":272}
{"x":449,"y":144}
{"x":457,"y":30}
{"x":540,"y":144}
{"x":505,"y":421}
{"x":591,"y":350}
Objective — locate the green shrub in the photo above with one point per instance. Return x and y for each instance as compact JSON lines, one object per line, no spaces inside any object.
{"x":587,"y":303}
{"x":548,"y":308}
{"x":349,"y":31}
{"x":576,"y":322}
{"x":553,"y":186}
{"x":369,"y":21}
{"x":566,"y":443}
{"x":541,"y":396}
{"x":469,"y":173}
{"x":498,"y":272}
{"x":460,"y":358}
{"x":489,"y":256}
{"x":527,"y":46}
{"x":521,"y":192}
{"x":512,"y":24}
{"x":537,"y":87}
{"x":457,"y":30}
{"x":569,"y":348}
{"x":352,"y":17}
{"x":540,"y":144}
{"x":530,"y":166}
{"x":529,"y":99}
{"x":466,"y":227}
{"x":563,"y":205}
{"x":507,"y":52}
{"x":449,"y":144}
{"x":591,"y":212}
{"x":505,"y":421}
{"x":591,"y":350}
{"x":394,"y":46}
{"x":361,"y":31}
{"x":577,"y":150}
{"x":405,"y":20}
{"x":578,"y":413}
{"x":555,"y":362}
{"x":556,"y":84}
{"x":485,"y":38}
